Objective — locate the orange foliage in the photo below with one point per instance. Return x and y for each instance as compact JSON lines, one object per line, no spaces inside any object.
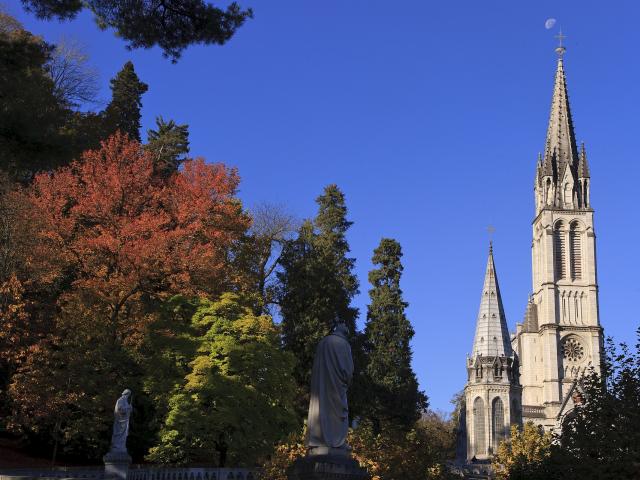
{"x":121,"y":232}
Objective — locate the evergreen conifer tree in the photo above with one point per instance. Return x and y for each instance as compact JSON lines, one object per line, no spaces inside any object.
{"x":393,"y":398}
{"x":169,"y":145}
{"x":123,"y":112}
{"x":316,"y":284}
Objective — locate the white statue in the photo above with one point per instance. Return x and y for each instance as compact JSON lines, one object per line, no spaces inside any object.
{"x":328,"y":421}
{"x":122,"y":412}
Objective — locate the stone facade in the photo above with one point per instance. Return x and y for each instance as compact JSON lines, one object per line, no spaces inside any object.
{"x":535,"y":375}
{"x":561,"y":336}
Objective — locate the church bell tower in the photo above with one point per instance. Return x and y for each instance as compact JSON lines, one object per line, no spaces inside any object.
{"x":561,"y":336}
{"x":492,"y":393}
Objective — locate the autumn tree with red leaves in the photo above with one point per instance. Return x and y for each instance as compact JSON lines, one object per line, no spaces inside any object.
{"x":122,"y":240}
{"x":123,"y":233}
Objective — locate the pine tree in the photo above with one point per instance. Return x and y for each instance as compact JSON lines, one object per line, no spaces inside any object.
{"x":171,"y":25}
{"x":169,"y":145}
{"x":316,"y":284}
{"x":123,"y":112}
{"x":393,"y":398}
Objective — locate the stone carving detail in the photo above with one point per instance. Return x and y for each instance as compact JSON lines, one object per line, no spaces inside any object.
{"x":572,"y":349}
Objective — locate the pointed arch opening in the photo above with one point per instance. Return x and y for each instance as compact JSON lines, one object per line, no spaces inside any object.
{"x":497,"y":422}
{"x":560,"y":250}
{"x":575,"y":244}
{"x":479,"y":427}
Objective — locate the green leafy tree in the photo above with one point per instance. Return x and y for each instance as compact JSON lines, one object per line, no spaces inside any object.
{"x":169,"y":145}
{"x":392,"y":394}
{"x":172,"y":25}
{"x":236,"y":401}
{"x":601,"y":436}
{"x":123,"y":112}
{"x":317,"y":284}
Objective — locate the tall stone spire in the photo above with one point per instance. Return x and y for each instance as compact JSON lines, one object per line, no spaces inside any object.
{"x":492,"y":335}
{"x":562,"y":312}
{"x":561,"y":147}
{"x":558,"y":181}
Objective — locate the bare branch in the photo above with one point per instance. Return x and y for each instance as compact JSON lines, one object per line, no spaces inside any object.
{"x":75,"y":81}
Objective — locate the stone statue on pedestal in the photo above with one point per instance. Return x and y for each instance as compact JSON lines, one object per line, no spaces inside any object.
{"x":117,"y":461}
{"x":328,"y":421}
{"x":328,"y":455}
{"x":121,"y":414}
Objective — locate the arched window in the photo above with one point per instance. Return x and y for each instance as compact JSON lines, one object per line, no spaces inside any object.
{"x":478,"y":427}
{"x":576,"y":251}
{"x":560,"y":251}
{"x":497,"y":422}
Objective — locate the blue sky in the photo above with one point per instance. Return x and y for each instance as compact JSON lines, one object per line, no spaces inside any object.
{"x":429,"y":116}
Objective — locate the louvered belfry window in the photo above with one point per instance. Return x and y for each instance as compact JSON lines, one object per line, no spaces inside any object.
{"x":560,"y":251}
{"x":478,"y":426}
{"x":576,"y":251}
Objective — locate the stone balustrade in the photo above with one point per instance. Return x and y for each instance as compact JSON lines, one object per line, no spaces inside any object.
{"x":533,"y":411}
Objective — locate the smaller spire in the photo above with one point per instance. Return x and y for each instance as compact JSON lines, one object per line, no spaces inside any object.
{"x":492,"y":335}
{"x":531,"y":317}
{"x":583,"y":164}
{"x":547,"y":166}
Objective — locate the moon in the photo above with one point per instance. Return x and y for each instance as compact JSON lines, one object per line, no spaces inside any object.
{"x":549,"y":23}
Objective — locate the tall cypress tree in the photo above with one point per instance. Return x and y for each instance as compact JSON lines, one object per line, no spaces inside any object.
{"x":393,"y":398}
{"x":316,"y":284}
{"x":123,"y":112}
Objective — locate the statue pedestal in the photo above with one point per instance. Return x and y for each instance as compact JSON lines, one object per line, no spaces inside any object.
{"x":324,"y":463}
{"x":116,"y":465}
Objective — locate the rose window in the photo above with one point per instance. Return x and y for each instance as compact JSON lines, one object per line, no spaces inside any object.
{"x":572,"y":349}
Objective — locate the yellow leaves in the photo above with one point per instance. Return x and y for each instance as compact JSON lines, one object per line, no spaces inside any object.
{"x":527,"y":449}
{"x":283,"y":456}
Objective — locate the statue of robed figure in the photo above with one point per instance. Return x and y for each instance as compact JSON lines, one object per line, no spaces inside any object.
{"x":328,"y":421}
{"x":328,"y":455}
{"x":122,"y":412}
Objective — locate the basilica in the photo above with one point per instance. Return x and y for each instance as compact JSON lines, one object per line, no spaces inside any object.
{"x":533,"y":374}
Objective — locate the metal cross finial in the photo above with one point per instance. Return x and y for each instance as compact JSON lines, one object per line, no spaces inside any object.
{"x":491,"y":230}
{"x":560,"y":49}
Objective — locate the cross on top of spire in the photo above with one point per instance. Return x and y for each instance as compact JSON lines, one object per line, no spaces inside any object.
{"x":560,"y":49}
